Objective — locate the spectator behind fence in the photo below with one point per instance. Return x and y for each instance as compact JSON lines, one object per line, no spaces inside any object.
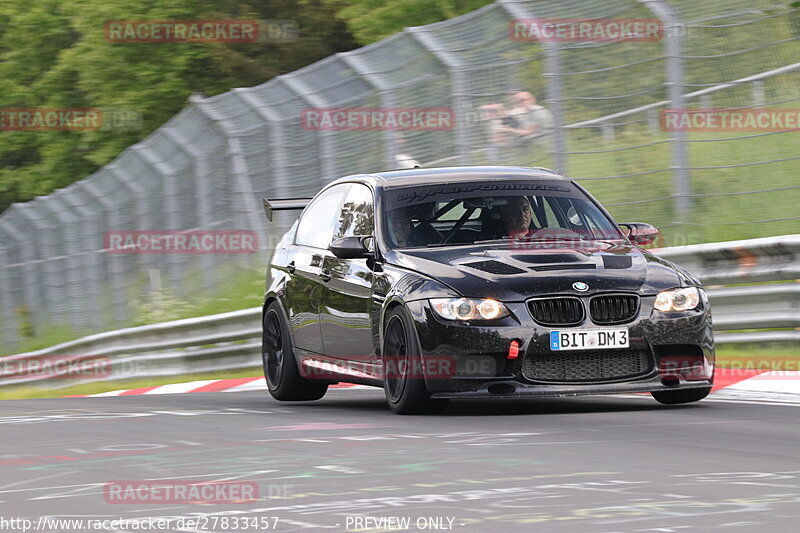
{"x":528,"y":118}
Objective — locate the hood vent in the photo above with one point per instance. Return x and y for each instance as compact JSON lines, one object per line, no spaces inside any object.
{"x":547,"y":258}
{"x":571,"y":266}
{"x":495,"y":267}
{"x":611,"y":262}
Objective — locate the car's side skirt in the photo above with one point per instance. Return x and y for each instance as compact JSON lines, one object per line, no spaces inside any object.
{"x":319,"y":367}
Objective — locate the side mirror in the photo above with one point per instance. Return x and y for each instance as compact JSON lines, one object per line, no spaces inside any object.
{"x":639,"y":232}
{"x":354,"y":247}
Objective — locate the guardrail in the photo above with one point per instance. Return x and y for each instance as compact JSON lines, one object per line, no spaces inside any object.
{"x":768,"y":301}
{"x":773,"y":262}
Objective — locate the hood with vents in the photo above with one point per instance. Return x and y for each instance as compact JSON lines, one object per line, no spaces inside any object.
{"x":514,"y":273}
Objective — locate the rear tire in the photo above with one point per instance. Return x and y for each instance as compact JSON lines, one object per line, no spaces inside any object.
{"x":403,"y":382}
{"x":280,"y":366}
{"x":672,"y":397}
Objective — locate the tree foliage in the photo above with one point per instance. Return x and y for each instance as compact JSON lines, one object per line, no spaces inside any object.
{"x":54,"y":53}
{"x":372,"y":20}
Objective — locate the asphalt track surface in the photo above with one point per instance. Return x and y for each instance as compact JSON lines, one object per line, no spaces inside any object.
{"x":600,"y":464}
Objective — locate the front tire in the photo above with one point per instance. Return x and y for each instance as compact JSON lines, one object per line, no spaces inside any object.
{"x":403,"y":380}
{"x":673,"y":397}
{"x":280,"y":366}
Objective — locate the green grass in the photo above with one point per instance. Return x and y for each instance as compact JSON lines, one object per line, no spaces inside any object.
{"x":712,"y":218}
{"x":773,"y":356}
{"x":9,"y":393}
{"x":242,"y":291}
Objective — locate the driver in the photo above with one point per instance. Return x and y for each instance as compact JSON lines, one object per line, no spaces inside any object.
{"x":517,"y":216}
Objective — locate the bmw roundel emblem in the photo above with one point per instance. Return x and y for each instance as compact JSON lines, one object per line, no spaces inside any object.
{"x":580,"y":286}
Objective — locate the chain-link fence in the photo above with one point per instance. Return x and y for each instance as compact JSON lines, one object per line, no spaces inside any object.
{"x":602,"y":104}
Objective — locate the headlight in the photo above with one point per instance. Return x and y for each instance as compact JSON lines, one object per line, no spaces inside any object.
{"x":679,"y":299}
{"x":468,"y":309}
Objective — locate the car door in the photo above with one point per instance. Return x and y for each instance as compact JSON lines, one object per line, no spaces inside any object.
{"x":306,"y":288}
{"x":345,"y":315}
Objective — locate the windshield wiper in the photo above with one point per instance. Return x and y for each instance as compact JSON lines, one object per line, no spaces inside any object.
{"x":439,"y":244}
{"x":493,"y":241}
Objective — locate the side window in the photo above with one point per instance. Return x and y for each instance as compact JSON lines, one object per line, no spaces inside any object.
{"x":320,"y":218}
{"x":357,"y":214}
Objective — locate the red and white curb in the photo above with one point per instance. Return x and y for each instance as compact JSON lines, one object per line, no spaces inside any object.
{"x":763,"y":386}
{"x":729,"y":384}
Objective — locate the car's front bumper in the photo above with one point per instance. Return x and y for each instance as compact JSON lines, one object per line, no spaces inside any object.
{"x":479,"y":365}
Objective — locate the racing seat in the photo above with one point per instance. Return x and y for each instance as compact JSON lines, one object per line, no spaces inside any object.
{"x":492,"y":224}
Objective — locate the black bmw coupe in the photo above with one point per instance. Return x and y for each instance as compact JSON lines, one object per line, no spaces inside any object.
{"x":477,"y":282}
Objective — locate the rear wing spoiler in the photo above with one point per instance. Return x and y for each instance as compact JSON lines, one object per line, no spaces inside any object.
{"x":283,"y":205}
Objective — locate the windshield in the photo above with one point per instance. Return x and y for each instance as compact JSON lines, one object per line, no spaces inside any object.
{"x":465,"y":213}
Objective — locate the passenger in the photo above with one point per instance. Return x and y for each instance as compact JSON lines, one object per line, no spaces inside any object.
{"x":403,"y":232}
{"x":400,"y":226}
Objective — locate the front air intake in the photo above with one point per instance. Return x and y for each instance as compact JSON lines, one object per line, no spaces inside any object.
{"x":495,"y":267}
{"x":587,"y":366}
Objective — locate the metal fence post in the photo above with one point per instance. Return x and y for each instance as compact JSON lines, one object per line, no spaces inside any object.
{"x":167,"y":174}
{"x":120,"y":301}
{"x":251,"y":209}
{"x":458,"y":88}
{"x":10,"y":335}
{"x":143,"y":221}
{"x":48,"y":252}
{"x":279,"y":158}
{"x":277,"y":171}
{"x":72,"y":308}
{"x":42,"y":305}
{"x":673,"y":33}
{"x":87,"y":263}
{"x":327,"y":155}
{"x":554,"y":100}
{"x":201,"y":199}
{"x":386,"y":96}
{"x":31,"y":288}
{"x":553,"y":75}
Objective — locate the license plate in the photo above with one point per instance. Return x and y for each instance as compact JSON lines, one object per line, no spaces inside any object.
{"x":588,"y":339}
